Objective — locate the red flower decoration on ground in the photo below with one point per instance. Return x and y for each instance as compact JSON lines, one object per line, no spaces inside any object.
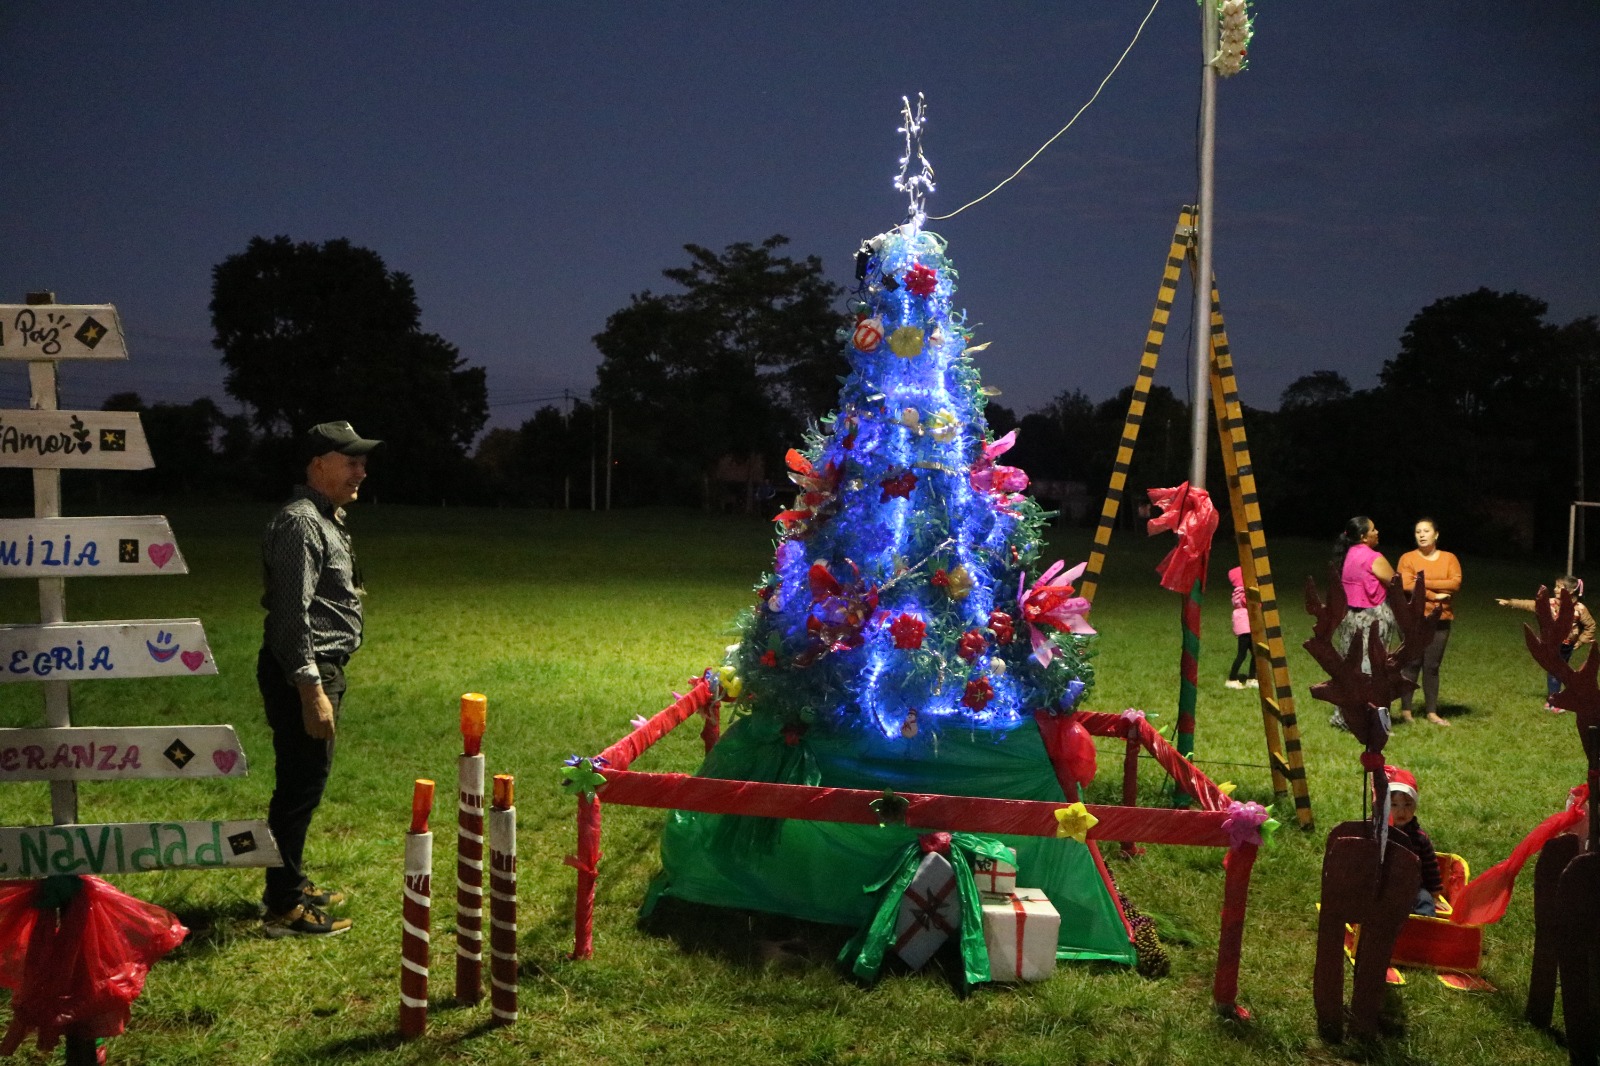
{"x":1003,"y":627}
{"x":897,"y":486}
{"x":979,"y":693}
{"x":908,"y":631}
{"x":769,"y":658}
{"x":971,"y":645}
{"x":920,"y":280}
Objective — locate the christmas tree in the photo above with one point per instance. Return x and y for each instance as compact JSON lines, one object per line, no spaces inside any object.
{"x":907,"y":634}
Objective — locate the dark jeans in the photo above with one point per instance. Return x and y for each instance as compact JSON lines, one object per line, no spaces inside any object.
{"x":1551,"y":685}
{"x":301,"y":763}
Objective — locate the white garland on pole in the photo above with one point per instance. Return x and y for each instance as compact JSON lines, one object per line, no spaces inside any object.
{"x":1234,"y":37}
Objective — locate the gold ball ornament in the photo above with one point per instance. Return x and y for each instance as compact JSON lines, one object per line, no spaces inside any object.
{"x":906,"y":342}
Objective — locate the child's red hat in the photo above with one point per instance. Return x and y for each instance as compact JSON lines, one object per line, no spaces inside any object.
{"x":1401,"y":780}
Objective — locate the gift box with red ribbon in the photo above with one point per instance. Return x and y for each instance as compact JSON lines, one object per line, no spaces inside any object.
{"x":995,"y":877}
{"x":1020,"y":930}
{"x":930,"y":911}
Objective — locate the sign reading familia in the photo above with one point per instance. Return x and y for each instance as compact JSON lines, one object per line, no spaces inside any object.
{"x":88,"y":547}
{"x":132,"y":847}
{"x":86,"y":651}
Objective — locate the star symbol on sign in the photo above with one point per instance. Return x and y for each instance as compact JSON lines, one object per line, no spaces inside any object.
{"x":90,"y":333}
{"x":178,"y":754}
{"x":113,"y":440}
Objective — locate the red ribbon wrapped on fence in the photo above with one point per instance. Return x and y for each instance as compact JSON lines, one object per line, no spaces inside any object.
{"x":621,"y":754}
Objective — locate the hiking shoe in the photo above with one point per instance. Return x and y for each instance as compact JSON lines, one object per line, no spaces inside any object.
{"x":303,"y":920}
{"x":321,"y":898}
{"x":1233,"y":683}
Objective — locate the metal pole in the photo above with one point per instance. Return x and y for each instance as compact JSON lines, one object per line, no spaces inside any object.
{"x":1202,"y":303}
{"x":1572,"y":529}
{"x":1583,"y":523}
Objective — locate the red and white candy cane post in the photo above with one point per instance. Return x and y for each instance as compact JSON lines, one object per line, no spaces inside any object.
{"x":469,"y":850}
{"x":503,"y":902}
{"x":416,"y":910}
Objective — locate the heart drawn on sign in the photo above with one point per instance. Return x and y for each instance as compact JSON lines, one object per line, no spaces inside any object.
{"x":161,"y":554}
{"x":194,"y":659}
{"x":225,"y":760}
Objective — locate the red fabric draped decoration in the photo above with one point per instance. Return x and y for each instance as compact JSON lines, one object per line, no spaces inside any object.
{"x":1487,"y":896}
{"x":78,"y":970}
{"x":1189,"y":513}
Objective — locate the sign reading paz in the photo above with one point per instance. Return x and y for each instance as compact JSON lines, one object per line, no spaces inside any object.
{"x":133,"y":847}
{"x":89,"y":651}
{"x":88,"y":547}
{"x":78,"y":440}
{"x":78,"y":753}
{"x":61,"y":331}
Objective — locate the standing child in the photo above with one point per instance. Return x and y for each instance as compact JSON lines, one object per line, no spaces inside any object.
{"x":1582,"y":632}
{"x":1405,"y":830}
{"x":1241,"y":632}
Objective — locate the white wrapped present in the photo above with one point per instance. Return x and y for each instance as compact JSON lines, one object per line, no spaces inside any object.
{"x":1020,"y":930}
{"x":930,"y":911}
{"x":995,"y":876}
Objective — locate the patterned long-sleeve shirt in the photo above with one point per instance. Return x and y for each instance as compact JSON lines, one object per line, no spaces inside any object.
{"x":311,"y":593}
{"x":1414,"y":838}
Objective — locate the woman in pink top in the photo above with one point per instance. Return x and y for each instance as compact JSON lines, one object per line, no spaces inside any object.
{"x":1365,"y":575}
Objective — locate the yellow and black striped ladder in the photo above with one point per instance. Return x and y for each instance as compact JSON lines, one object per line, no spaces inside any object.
{"x":1271,"y":662}
{"x":1266,"y":624}
{"x":1182,"y":244}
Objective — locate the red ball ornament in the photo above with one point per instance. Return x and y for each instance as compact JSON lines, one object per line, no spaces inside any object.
{"x":972,"y":644}
{"x":868,"y":334}
{"x":1003,"y":627}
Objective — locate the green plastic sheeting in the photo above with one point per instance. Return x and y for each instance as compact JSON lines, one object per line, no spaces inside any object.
{"x":817,"y":870}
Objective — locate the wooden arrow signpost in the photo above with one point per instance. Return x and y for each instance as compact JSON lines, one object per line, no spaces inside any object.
{"x":55,"y":652}
{"x":87,"y":547}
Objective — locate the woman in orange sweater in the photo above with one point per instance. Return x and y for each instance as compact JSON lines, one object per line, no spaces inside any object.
{"x":1442,"y":573}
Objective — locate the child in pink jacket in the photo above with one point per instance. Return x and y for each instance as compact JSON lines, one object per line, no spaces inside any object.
{"x":1241,"y":632}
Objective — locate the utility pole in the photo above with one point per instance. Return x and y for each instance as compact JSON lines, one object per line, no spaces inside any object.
{"x":1200,"y":391}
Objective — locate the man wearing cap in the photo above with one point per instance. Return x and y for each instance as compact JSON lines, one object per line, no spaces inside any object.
{"x":313,"y":625}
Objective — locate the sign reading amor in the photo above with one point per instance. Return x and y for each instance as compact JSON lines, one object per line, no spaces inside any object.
{"x":114,"y":753}
{"x":79,"y":440}
{"x":90,"y":651}
{"x":88,"y":547}
{"x":132,"y":847}
{"x":61,"y":331}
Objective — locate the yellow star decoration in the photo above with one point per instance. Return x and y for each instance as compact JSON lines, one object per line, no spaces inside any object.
{"x":1226,"y":788}
{"x":1075,"y":822}
{"x":90,"y":335}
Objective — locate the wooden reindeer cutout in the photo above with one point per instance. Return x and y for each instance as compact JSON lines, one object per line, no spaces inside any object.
{"x":1364,"y":881}
{"x":1566,"y":880}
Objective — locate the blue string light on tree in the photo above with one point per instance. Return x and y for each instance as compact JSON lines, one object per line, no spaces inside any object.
{"x":906,"y":595}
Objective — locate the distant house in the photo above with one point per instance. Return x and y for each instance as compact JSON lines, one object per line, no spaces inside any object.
{"x":736,"y":484}
{"x":1071,"y":498}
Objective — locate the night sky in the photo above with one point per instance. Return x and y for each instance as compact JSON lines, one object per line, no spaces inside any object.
{"x":531,"y":165}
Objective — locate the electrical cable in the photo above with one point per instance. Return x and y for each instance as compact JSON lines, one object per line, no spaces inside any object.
{"x":1064,"y":129}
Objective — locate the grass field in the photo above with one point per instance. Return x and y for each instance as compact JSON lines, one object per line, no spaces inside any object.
{"x":573,"y":623}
